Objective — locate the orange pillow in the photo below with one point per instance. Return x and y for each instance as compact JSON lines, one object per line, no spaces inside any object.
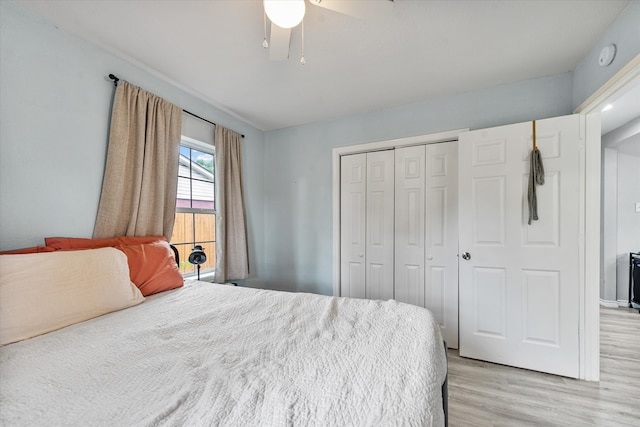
{"x":32,"y":250}
{"x":152,"y":267}
{"x":69,"y":243}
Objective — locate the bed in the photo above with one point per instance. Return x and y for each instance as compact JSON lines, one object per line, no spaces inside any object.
{"x":209,"y":354}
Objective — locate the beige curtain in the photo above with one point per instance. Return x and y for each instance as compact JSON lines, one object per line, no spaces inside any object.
{"x":232,"y":261}
{"x":141,"y":173}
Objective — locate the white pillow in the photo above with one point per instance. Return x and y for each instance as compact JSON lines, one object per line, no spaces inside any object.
{"x":42,"y":292}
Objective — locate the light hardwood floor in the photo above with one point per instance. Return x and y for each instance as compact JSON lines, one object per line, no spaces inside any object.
{"x":485,"y":394}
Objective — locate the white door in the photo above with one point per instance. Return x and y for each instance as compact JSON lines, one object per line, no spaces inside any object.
{"x":353,"y":187}
{"x":519,"y":287}
{"x":379,"y":228}
{"x":398,"y":231}
{"x":441,"y":238}
{"x":366,"y":231}
{"x":410,"y":224}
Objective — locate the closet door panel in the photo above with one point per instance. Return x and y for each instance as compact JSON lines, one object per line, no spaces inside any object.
{"x":441,"y":239}
{"x":353,"y":184}
{"x":380,"y":224}
{"x":410,"y":224}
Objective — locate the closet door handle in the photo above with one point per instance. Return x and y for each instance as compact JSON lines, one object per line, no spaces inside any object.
{"x":466,"y":256}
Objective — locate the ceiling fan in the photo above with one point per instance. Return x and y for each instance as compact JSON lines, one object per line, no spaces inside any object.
{"x":286,"y":14}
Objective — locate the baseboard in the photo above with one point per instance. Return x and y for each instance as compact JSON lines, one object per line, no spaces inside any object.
{"x":625,"y":303}
{"x":608,"y":304}
{"x":614,"y":304}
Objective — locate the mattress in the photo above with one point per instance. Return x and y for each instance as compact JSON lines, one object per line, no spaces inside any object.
{"x":212,"y":354}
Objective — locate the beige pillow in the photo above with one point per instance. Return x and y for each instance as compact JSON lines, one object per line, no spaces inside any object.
{"x":42,"y":292}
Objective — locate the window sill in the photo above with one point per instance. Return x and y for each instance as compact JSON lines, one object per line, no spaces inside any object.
{"x":204,"y":276}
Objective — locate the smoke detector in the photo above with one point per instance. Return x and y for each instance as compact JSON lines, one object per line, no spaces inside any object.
{"x":606,"y":55}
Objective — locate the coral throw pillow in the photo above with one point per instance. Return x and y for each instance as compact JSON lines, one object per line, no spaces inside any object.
{"x":70,"y":243}
{"x":152,"y":267}
{"x":32,"y":250}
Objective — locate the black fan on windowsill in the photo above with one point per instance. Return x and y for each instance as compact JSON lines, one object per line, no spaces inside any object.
{"x":197,"y":257}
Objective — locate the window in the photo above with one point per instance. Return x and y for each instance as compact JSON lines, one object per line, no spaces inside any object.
{"x":195,"y":206}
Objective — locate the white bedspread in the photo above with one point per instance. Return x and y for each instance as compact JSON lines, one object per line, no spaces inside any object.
{"x":221,"y":355}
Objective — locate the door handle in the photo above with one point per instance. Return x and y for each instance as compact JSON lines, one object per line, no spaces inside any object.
{"x":466,"y":255}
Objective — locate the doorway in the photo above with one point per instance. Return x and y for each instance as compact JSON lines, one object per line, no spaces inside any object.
{"x":615,"y":92}
{"x":620,"y":175}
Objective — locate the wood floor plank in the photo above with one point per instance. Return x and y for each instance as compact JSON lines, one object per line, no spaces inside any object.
{"x":487,"y":394}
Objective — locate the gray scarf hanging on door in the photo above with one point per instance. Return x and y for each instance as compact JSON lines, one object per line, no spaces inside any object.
{"x":536,"y":176}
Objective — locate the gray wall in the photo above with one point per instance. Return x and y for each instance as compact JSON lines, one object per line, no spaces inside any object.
{"x":609,"y":226}
{"x":620,"y":226}
{"x":621,"y":223}
{"x":628,"y":220}
{"x":54,"y":111}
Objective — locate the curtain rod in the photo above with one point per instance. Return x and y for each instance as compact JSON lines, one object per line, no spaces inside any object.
{"x":115,"y":83}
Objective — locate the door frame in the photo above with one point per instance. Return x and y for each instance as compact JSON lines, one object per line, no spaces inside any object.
{"x":590,"y":298}
{"x":432,"y":138}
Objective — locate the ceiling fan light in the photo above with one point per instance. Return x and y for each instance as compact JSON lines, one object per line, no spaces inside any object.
{"x":285,"y":13}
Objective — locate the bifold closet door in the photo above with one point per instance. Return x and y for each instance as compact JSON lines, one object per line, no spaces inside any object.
{"x":399,"y":229}
{"x":366,"y":225}
{"x":353,"y":187}
{"x":410,"y":224}
{"x":441,"y":241}
{"x":426,"y":227}
{"x":380,"y":224}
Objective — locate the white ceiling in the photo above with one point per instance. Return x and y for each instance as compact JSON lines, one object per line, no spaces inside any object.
{"x":423,"y":49}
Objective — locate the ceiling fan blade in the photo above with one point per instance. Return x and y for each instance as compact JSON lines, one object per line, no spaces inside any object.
{"x":279,"y":43}
{"x":361,"y":9}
